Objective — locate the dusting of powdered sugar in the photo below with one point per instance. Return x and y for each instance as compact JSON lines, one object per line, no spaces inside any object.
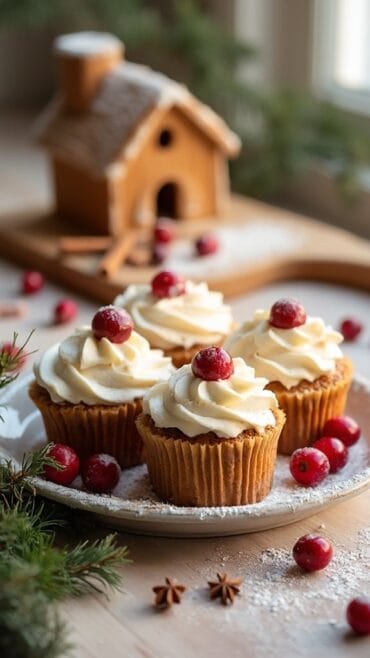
{"x":242,"y":243}
{"x":134,"y":500}
{"x":276,"y":582}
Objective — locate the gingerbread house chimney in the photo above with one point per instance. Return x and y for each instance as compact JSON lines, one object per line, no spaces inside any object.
{"x":84,"y":58}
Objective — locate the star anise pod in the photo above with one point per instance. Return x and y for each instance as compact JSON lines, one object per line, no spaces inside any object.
{"x":166,"y":595}
{"x":225,"y":588}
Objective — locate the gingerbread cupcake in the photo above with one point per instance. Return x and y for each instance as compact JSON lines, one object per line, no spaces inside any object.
{"x":211,"y":433}
{"x":306,"y":369}
{"x":177,"y":316}
{"x":89,"y":388}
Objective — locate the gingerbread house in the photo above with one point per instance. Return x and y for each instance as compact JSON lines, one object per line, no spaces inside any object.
{"x":128,"y":144}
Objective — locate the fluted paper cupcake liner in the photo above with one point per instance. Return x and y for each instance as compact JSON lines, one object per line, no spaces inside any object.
{"x":92,"y":429}
{"x":210,"y":473}
{"x":308,"y":407}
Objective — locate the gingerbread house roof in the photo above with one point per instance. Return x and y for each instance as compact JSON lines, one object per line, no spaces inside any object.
{"x":113,"y":127}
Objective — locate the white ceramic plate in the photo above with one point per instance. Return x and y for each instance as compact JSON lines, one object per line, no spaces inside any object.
{"x":134,"y":507}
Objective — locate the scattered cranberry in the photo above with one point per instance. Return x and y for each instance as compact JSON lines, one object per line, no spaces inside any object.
{"x":344,"y":428}
{"x":358,"y":615}
{"x":13,"y":352}
{"x":309,"y":466}
{"x":100,"y":473}
{"x":206,"y":245}
{"x":32,"y":282}
{"x":335,"y":450}
{"x":112,"y":323}
{"x":287,"y":313}
{"x":168,"y":284}
{"x":164,"y":231}
{"x":312,"y":552}
{"x":65,"y":311}
{"x":212,"y":363}
{"x":66,"y":457}
{"x":350,"y":328}
{"x":159,"y":253}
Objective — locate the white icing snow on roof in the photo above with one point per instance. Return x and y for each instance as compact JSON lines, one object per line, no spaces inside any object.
{"x":82,"y":44}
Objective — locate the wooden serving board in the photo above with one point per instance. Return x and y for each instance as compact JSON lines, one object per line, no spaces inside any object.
{"x":260,"y":244}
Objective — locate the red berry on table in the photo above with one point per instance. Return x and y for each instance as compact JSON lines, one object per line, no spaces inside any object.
{"x":287,"y":313}
{"x":358,"y":615}
{"x":159,"y":253}
{"x":206,"y":245}
{"x":344,"y":428}
{"x":168,"y":284}
{"x":212,"y":364}
{"x":32,"y":282}
{"x":112,"y":323}
{"x":335,"y":450}
{"x":312,"y":552}
{"x":100,"y":473}
{"x":164,"y":231}
{"x":65,"y":311}
{"x":350,"y":328}
{"x":13,"y":352}
{"x":309,"y":466}
{"x":66,"y":457}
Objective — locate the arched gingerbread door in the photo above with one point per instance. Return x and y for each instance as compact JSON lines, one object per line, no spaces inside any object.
{"x":167,"y":202}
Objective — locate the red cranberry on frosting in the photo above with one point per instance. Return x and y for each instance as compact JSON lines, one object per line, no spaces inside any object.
{"x":112,"y":323}
{"x":212,"y":363}
{"x":287,"y":313}
{"x":168,"y":284}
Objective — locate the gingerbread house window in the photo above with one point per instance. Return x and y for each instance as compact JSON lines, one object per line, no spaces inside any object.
{"x":165,"y":138}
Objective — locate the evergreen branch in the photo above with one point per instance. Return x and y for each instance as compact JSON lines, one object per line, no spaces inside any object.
{"x":29,"y":627}
{"x":27,"y":538}
{"x":13,"y":481}
{"x":11,"y":359}
{"x":90,"y":565}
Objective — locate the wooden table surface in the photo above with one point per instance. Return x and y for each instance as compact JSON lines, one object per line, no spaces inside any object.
{"x":280,"y":612}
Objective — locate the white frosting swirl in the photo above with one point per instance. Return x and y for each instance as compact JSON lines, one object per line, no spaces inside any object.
{"x":286,"y":355}
{"x":226,"y":407}
{"x":84,"y":369}
{"x":199,"y":316}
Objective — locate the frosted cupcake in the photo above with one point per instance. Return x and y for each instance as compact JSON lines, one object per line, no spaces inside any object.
{"x":304,"y":364}
{"x":211,"y":432}
{"x":177,"y":316}
{"x":89,"y":388}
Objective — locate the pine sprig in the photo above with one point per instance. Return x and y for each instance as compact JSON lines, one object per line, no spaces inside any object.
{"x":25,"y":536}
{"x":94,"y":565}
{"x":29,"y":627}
{"x":35,"y":572}
{"x":11,"y":359}
{"x":14,"y":481}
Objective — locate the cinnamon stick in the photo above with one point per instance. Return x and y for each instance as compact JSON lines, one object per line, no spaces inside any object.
{"x":84,"y":244}
{"x":117,"y":254}
{"x":9,"y":309}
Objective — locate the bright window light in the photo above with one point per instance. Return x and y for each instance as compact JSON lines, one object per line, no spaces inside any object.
{"x":341,"y":53}
{"x":352,"y":44}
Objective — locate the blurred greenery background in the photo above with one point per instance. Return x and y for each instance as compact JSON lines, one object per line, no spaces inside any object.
{"x":283,"y":131}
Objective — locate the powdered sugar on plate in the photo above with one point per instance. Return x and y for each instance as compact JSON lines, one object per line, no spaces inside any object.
{"x":240,"y":244}
{"x":134,"y":506}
